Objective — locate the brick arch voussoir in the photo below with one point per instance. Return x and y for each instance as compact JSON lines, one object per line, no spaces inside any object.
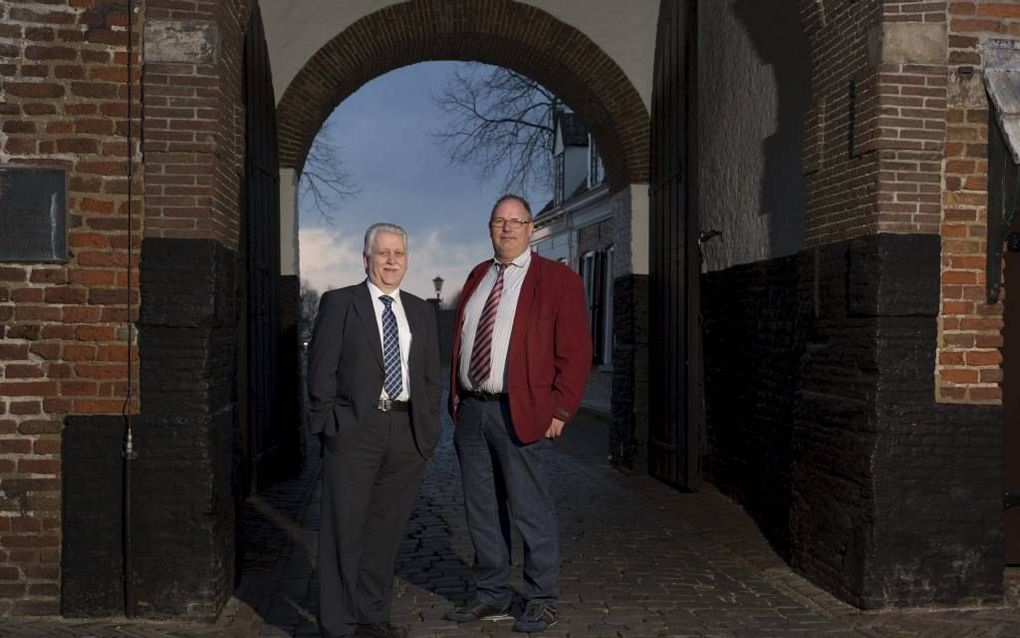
{"x":813,"y":16}
{"x":502,"y":33}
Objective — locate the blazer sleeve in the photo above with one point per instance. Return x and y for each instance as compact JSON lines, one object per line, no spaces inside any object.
{"x":572,"y":349}
{"x":323,"y":362}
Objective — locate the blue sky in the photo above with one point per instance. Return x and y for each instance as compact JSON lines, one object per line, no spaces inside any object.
{"x":404,"y":178}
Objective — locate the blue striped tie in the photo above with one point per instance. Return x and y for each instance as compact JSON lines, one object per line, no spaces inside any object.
{"x":391,"y":350}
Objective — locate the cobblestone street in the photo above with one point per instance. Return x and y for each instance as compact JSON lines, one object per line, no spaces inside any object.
{"x":638,"y":559}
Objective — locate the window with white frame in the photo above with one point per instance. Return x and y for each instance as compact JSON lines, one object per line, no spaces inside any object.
{"x":597,"y":280}
{"x":607,"y":306}
{"x":558,"y":178}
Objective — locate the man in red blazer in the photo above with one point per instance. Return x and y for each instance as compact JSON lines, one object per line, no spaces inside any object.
{"x":521,"y":356}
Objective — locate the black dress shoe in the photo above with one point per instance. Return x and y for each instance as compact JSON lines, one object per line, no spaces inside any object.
{"x":380,"y":630}
{"x":477,"y":610}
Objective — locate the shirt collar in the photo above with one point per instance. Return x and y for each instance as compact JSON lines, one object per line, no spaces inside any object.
{"x":376,"y":292}
{"x":521,"y":261}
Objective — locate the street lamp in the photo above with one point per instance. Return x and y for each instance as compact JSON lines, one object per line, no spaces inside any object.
{"x":438,"y":283}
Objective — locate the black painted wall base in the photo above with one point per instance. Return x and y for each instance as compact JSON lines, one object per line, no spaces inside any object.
{"x":91,"y":563}
{"x":182,"y":516}
{"x":628,"y":436}
{"x":822,"y":423}
{"x":187,"y":438}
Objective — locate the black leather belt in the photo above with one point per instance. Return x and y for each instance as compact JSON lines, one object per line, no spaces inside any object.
{"x":389,"y":405}
{"x":483,"y":396}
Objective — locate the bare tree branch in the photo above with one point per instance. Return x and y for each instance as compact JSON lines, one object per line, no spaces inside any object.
{"x":309,"y":308}
{"x":500,"y":123}
{"x":325,"y":181}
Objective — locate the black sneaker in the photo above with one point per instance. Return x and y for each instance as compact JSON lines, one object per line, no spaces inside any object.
{"x":538,"y":616}
{"x":475,"y":611}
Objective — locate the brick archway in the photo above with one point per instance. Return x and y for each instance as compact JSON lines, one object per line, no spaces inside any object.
{"x":500,"y":32}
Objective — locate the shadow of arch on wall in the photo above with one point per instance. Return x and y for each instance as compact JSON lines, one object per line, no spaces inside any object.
{"x":501,"y":33}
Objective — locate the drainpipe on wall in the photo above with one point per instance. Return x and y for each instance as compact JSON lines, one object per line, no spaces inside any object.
{"x":129,"y":453}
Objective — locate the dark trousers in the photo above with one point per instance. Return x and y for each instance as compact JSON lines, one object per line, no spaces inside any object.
{"x":506,"y":481}
{"x":370,"y":478}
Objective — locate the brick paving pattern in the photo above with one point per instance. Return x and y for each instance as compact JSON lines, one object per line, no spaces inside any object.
{"x":638,"y":559}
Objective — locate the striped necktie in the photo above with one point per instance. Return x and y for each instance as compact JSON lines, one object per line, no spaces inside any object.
{"x":481,"y":353}
{"x":391,"y":350}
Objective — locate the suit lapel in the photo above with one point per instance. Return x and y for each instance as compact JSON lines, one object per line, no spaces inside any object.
{"x":472,"y":282}
{"x":366,"y":313}
{"x":529,"y":288}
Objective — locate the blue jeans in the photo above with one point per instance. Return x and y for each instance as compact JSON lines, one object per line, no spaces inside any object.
{"x":505,"y":480}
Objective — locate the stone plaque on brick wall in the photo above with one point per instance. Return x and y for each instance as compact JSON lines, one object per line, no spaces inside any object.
{"x":189,"y":41}
{"x":33,"y":214}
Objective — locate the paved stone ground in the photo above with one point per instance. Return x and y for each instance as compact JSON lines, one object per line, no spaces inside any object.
{"x":639,"y":559}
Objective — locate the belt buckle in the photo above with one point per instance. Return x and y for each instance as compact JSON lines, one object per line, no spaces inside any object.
{"x":384,"y":405}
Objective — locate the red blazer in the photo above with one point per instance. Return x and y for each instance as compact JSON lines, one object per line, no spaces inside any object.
{"x":550,"y":351}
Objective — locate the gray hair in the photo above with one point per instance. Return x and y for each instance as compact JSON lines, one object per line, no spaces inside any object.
{"x":375,"y":229}
{"x":511,"y":197}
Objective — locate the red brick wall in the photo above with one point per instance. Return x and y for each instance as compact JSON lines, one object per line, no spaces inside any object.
{"x":889,"y":180}
{"x":921,"y":142}
{"x":910,"y":131}
{"x":194,"y":130}
{"x":63,"y":102}
{"x":969,"y":357}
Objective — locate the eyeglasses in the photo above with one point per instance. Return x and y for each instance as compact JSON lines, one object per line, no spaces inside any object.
{"x":499,"y":222}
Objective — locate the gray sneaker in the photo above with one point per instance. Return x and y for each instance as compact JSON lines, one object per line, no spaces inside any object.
{"x":538,"y":616}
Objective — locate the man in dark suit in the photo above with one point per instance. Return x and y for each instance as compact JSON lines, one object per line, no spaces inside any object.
{"x":521,"y":356}
{"x":373,"y":385}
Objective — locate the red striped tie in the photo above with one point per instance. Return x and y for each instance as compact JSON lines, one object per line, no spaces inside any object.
{"x":481,"y":354}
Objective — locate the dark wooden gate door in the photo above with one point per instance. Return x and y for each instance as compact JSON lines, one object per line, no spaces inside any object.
{"x":1011,"y":403}
{"x":1003,"y":202}
{"x":676,"y":408}
{"x":261,"y":236}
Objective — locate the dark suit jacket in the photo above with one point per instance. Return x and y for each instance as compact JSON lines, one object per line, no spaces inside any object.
{"x":550,"y":347}
{"x":345,"y":365}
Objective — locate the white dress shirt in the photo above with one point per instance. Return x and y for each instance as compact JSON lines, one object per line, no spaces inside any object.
{"x":513,"y":280}
{"x":403,"y":334}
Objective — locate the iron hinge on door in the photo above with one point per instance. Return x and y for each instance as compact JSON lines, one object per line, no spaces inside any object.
{"x":1009,"y":499}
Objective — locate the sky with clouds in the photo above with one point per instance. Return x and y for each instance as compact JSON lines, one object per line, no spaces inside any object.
{"x":404,"y":178}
